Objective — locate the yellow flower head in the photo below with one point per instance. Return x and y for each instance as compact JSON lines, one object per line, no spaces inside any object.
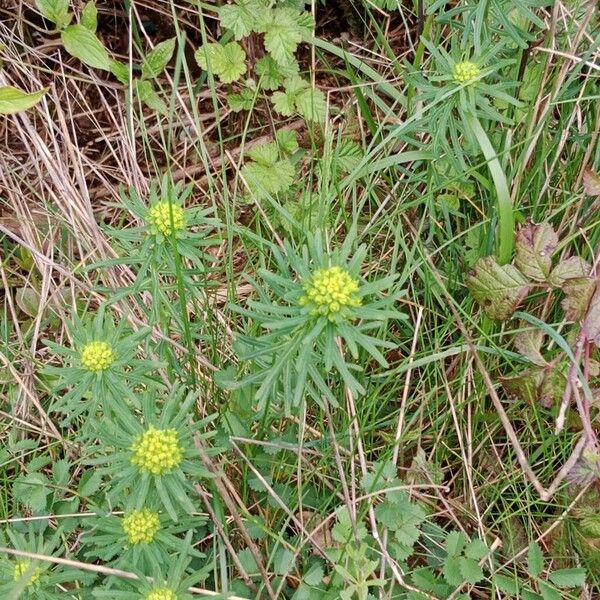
{"x":329,"y":291}
{"x":141,"y":526}
{"x":97,"y":356}
{"x":161,"y":593}
{"x":159,"y":217}
{"x":157,"y":451}
{"x":20,"y":570}
{"x":465,"y":71}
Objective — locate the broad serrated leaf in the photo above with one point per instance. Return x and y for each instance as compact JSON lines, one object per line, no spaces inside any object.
{"x":425,"y":579}
{"x":268,"y":179}
{"x":227,"y":62}
{"x":535,"y":560}
{"x":264,"y":154}
{"x":470,"y":570}
{"x":533,"y":250}
{"x":247,"y":561}
{"x":83,"y":44}
{"x":283,"y":562}
{"x":509,"y":585}
{"x":287,"y":140}
{"x":244,"y":100}
{"x":89,"y":483}
{"x":283,"y":35}
{"x":348,"y":154}
{"x":89,"y":16}
{"x":240,"y":17}
{"x":283,"y":103}
{"x":451,"y":570}
{"x":529,"y":343}
{"x":591,"y":323}
{"x":529,"y":594}
{"x":578,"y":294}
{"x":570,"y":268}
{"x":567,"y":578}
{"x":155,"y":63}
{"x":341,"y":532}
{"x":499,"y":289}
{"x":272,"y":74}
{"x":548,"y":592}
{"x":32,"y":490}
{"x":314,"y":576}
{"x":306,"y":24}
{"x":477,"y":549}
{"x":56,"y":11}
{"x":61,"y":473}
{"x":591,"y":183}
{"x":312,"y":105}
{"x":455,"y":542}
{"x":13,"y":100}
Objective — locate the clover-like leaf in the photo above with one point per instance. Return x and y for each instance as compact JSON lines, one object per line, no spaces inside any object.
{"x":499,"y":289}
{"x":534,"y":248}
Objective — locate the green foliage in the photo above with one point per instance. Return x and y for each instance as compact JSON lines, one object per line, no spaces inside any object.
{"x":158,"y":59}
{"x":227,"y":62}
{"x":298,"y":96}
{"x":298,"y":343}
{"x":56,"y":11}
{"x":83,"y":44}
{"x":282,"y":29}
{"x":269,"y":170}
{"x":14,"y":100}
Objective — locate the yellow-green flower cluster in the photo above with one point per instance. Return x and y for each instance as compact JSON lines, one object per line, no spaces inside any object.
{"x":161,"y":593}
{"x":465,"y":71}
{"x":159,"y":217}
{"x":141,"y":526}
{"x":97,"y":356}
{"x":157,"y":451}
{"x":329,"y":291}
{"x":20,"y":570}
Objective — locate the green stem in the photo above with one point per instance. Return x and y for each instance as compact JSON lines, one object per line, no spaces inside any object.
{"x":506,"y":220}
